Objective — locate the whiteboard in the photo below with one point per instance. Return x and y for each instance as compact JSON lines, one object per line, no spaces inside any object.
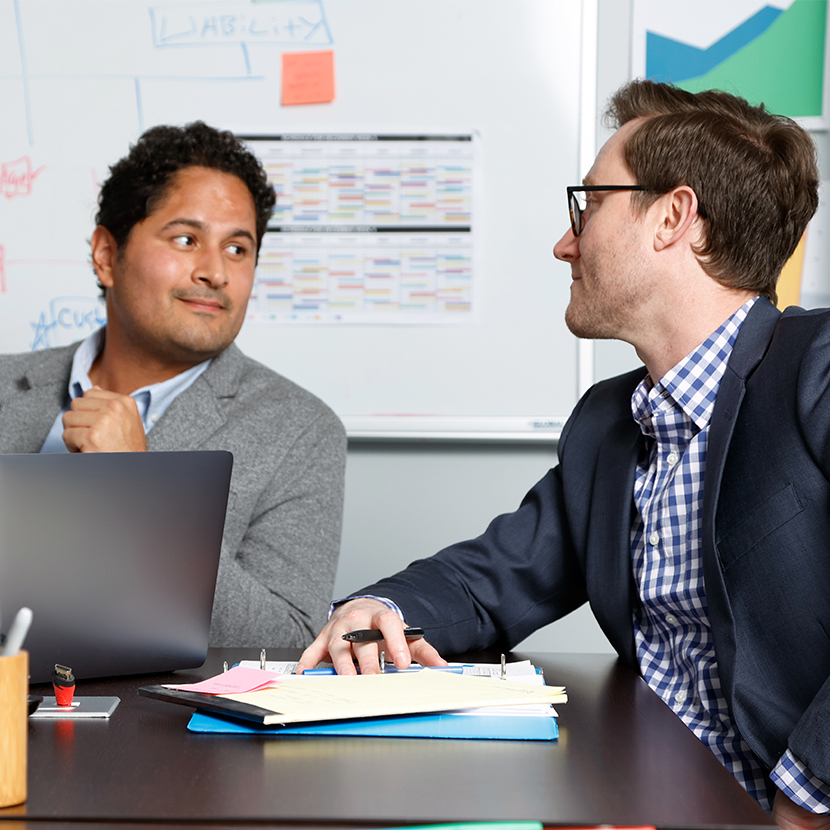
{"x":80,"y":79}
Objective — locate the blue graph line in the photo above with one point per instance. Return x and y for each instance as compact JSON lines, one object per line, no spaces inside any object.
{"x":24,"y":68}
{"x":673,"y":61}
{"x":247,"y":58}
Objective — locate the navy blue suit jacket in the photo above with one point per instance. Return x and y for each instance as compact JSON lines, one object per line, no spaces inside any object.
{"x":765,"y":547}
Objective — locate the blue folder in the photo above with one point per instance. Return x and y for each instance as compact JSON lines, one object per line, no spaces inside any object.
{"x":447,"y":725}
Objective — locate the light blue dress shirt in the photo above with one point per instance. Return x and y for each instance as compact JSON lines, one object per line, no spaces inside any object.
{"x":152,"y":401}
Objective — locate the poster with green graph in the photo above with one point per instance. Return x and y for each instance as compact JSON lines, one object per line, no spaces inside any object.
{"x":773,"y":53}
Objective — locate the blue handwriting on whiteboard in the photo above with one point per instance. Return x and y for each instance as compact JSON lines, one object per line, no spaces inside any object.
{"x":67,"y":320}
{"x":201,"y":24}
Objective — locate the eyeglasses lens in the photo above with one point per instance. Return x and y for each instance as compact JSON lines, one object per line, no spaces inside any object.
{"x":577,"y":207}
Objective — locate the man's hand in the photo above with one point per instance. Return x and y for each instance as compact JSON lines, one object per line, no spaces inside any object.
{"x":789,"y":816}
{"x":366,"y":613}
{"x":102,"y":421}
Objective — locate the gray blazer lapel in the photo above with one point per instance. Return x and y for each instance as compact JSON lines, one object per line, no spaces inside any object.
{"x":197,"y":413}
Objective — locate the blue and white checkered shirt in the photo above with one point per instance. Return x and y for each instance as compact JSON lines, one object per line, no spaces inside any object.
{"x":671,"y":630}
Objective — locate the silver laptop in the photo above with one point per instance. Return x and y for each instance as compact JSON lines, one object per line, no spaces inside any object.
{"x":116,"y":554}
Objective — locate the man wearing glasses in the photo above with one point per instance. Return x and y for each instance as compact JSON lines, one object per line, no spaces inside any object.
{"x":691,"y":503}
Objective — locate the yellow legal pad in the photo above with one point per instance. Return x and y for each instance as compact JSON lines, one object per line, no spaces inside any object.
{"x":306,"y":699}
{"x":314,"y":699}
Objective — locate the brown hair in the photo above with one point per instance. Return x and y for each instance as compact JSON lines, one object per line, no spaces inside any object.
{"x":754,"y":174}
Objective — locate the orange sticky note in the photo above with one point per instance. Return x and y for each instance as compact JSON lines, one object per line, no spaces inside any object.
{"x":307,"y":77}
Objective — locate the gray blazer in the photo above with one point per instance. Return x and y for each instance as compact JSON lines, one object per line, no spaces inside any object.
{"x":282,"y":531}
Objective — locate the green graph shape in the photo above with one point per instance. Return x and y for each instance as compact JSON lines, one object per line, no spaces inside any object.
{"x":783,"y":68}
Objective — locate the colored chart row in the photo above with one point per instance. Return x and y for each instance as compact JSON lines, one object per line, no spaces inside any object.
{"x":369,"y":180}
{"x":363,"y":278}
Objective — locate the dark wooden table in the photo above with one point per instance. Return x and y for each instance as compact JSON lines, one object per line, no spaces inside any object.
{"x":622,"y":758}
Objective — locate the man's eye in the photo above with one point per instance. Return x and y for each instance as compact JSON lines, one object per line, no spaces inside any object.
{"x":183,"y":239}
{"x":237,"y":249}
{"x":590,"y":205}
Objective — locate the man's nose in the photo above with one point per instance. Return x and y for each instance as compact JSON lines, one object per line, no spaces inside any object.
{"x":210,"y":269}
{"x":567,"y":248}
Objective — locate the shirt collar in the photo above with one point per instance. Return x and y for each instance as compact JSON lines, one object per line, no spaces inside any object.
{"x":85,"y":355}
{"x":152,"y":400}
{"x":691,"y":386}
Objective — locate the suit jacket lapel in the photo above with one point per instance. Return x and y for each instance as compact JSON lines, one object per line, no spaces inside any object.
{"x":609,"y":573}
{"x":620,"y":460}
{"x":751,"y":345}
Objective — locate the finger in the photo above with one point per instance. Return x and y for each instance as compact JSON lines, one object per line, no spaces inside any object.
{"x":395,"y":647}
{"x":315,"y":654}
{"x":78,"y":439}
{"x":73,"y":439}
{"x":342,"y":656}
{"x":425,"y":654}
{"x":97,"y":394}
{"x":102,"y":400}
{"x":395,"y":642}
{"x":368,"y":657}
{"x":77,"y":418}
{"x":87,"y":404}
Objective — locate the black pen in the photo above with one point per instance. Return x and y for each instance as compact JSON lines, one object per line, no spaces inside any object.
{"x":372,"y":635}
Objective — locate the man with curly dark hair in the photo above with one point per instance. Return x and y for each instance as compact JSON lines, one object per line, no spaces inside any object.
{"x":178,"y":233}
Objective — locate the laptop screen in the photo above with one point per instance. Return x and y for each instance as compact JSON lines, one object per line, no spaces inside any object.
{"x":116,"y":554}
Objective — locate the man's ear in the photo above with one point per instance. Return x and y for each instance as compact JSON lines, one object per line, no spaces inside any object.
{"x":104,"y":252}
{"x":678,"y":212}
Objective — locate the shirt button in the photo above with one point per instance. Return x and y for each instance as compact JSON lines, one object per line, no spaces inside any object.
{"x":672,"y":459}
{"x":681,"y":696}
{"x":671,"y":619}
{"x":654,"y":538}
{"x":154,"y":417}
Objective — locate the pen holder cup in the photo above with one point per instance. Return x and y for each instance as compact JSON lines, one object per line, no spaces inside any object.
{"x":14,"y":689}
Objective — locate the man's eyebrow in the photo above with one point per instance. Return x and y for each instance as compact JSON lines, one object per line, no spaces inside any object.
{"x":242,"y":232}
{"x":190,"y":223}
{"x":201,"y":226}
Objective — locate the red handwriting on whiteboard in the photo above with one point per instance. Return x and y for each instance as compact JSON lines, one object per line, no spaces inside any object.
{"x":17,"y":177}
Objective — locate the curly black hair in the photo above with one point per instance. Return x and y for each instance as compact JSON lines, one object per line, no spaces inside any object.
{"x":140,"y":180}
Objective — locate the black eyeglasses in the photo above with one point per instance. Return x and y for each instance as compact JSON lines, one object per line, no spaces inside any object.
{"x":577,"y":203}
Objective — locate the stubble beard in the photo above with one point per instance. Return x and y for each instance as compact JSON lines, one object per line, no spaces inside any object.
{"x":599,"y":312}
